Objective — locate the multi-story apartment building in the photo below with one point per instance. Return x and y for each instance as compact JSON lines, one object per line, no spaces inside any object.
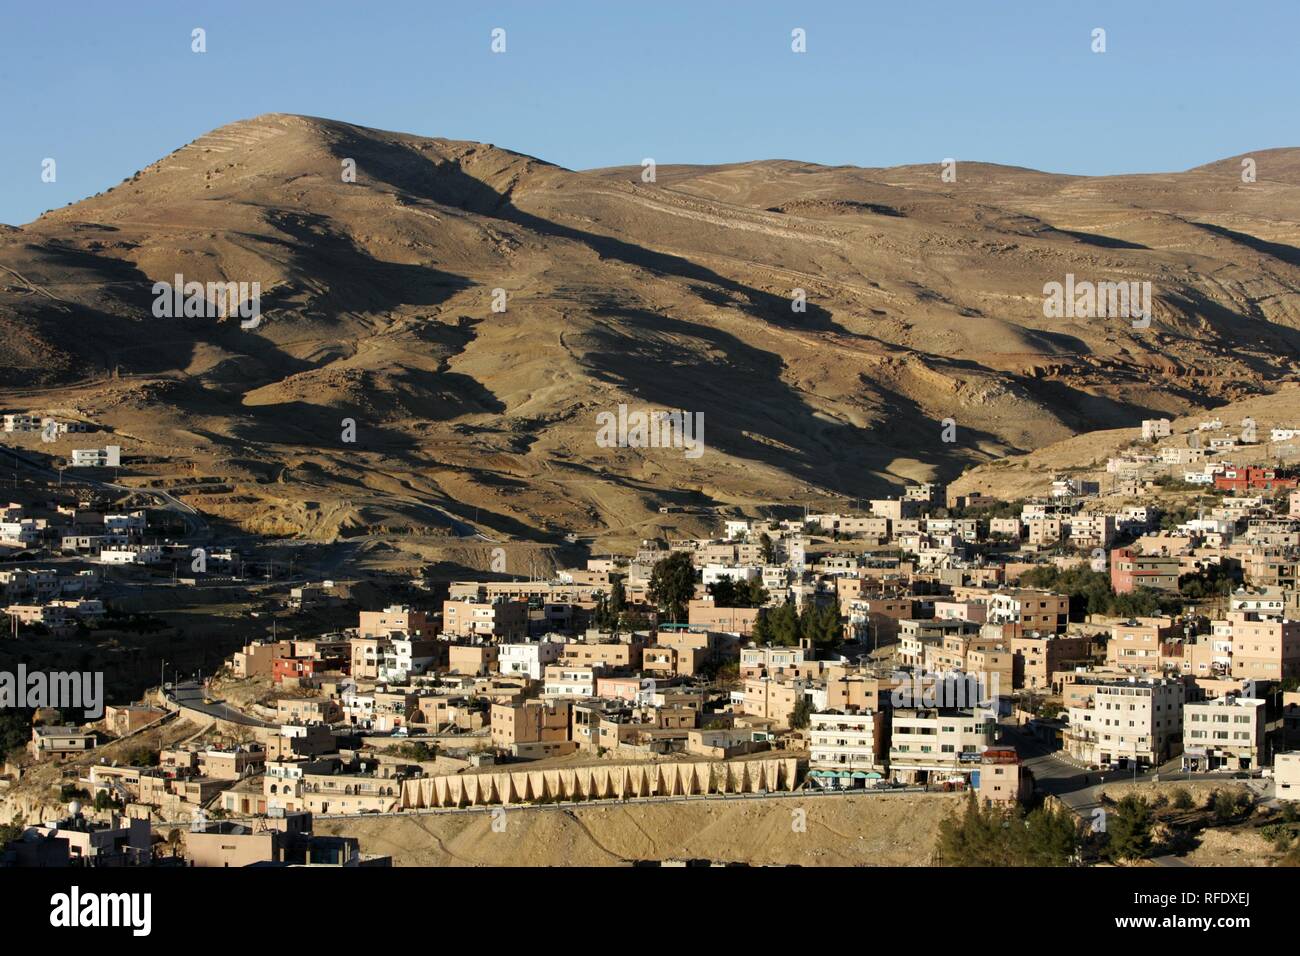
{"x":528,"y":659}
{"x":1130,"y":570}
{"x":929,"y":745}
{"x":732,"y":620}
{"x":611,"y":655}
{"x":918,"y":640}
{"x":875,"y":620}
{"x":1134,"y":720}
{"x":349,"y":792}
{"x":1038,"y":658}
{"x":397,"y":618}
{"x":1002,"y":779}
{"x":367,"y":656}
{"x":773,"y":699}
{"x":757,"y":661}
{"x":1264,"y":648}
{"x":476,"y":659}
{"x":107,"y":457}
{"x":530,"y":722}
{"x":307,"y":710}
{"x":849,"y":688}
{"x":1093,"y":530}
{"x":1135,"y":644}
{"x":569,"y":680}
{"x":1286,"y":775}
{"x":498,"y":620}
{"x":1226,"y":732}
{"x":1045,"y":532}
{"x":1030,"y":610}
{"x":847,"y":743}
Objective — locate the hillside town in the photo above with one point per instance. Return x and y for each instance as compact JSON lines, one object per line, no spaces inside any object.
{"x":928,"y":643}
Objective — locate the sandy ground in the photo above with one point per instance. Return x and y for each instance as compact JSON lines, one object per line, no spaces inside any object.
{"x":884,"y":830}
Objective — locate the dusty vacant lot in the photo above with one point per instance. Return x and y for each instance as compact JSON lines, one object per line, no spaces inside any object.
{"x":883,"y":830}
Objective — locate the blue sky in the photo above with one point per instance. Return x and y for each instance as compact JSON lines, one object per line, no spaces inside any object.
{"x":106,"y":88}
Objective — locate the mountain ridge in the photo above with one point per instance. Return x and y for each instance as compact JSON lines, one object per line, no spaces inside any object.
{"x":923,"y":305}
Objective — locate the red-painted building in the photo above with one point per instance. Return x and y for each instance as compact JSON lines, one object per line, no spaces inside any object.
{"x":1255,"y":479}
{"x":299,"y":667}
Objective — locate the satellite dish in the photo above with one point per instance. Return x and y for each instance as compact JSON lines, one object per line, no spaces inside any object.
{"x":74,"y":808}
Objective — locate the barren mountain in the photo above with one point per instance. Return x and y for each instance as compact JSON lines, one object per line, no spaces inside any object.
{"x":924,"y":303}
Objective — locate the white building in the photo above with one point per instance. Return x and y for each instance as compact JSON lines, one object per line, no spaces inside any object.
{"x":736,"y":529}
{"x":845,"y":742}
{"x":135,"y":554}
{"x":22,"y":423}
{"x":133,"y":523}
{"x":570,"y":681}
{"x":1126,"y":721}
{"x":1286,"y":775}
{"x":713,"y":573}
{"x":358,"y":709}
{"x":107,"y":457}
{"x":399,"y":662}
{"x":528,"y":659}
{"x":1225,"y":733}
{"x":19,"y":533}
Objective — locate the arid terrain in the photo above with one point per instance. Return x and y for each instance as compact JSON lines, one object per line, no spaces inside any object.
{"x":889,"y":830}
{"x":1085,"y":455}
{"x":924,"y":303}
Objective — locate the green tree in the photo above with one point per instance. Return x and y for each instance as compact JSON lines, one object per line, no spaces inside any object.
{"x":723,"y":592}
{"x":802,"y":712}
{"x":1005,"y":836}
{"x":672,"y":584}
{"x":769,"y":549}
{"x":968,"y":839}
{"x":1051,"y":837}
{"x":1128,"y":827}
{"x":784,"y":622}
{"x":617,"y":597}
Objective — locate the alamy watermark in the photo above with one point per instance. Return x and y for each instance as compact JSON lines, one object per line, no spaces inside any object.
{"x":949,"y":691}
{"x":1098,"y":300}
{"x":62,"y":690}
{"x":651,"y":429}
{"x":213,"y":300}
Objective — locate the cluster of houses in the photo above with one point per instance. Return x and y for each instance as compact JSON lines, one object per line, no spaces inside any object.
{"x":520,"y":672}
{"x":77,"y":529}
{"x":581,"y":686}
{"x":49,"y":597}
{"x":1204,"y":456}
{"x":51,"y":429}
{"x":18,"y":422}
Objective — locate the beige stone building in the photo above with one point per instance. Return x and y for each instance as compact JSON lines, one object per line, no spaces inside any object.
{"x":1136,"y":644}
{"x":935,"y":745}
{"x":530,"y":722}
{"x":1002,"y":778}
{"x":497,"y":620}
